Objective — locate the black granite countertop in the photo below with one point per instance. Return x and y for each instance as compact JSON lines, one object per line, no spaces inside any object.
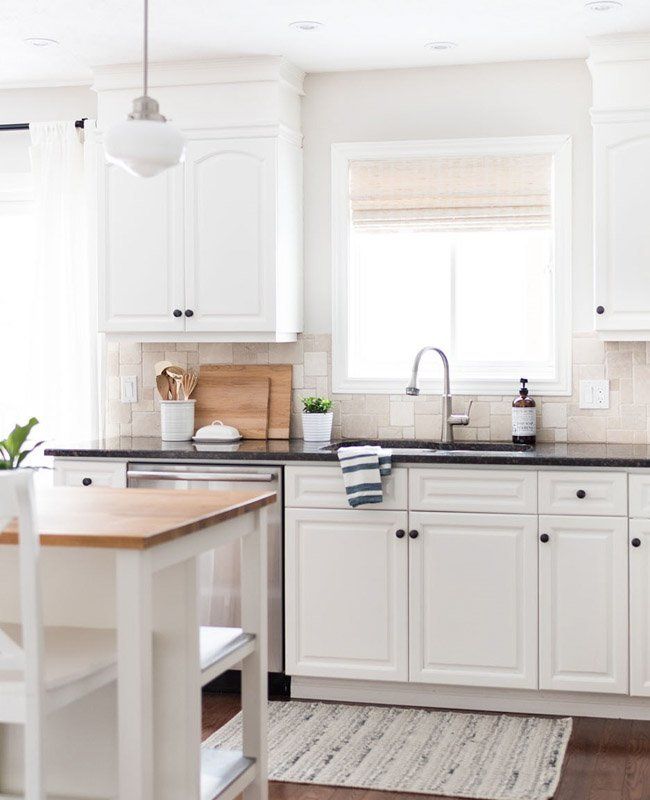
{"x":283,"y":450}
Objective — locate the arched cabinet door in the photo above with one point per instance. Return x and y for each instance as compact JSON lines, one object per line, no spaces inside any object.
{"x":140,"y":250}
{"x":230,"y":234}
{"x":621,"y":229}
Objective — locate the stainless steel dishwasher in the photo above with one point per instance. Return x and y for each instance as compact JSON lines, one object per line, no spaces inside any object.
{"x":220,"y":600}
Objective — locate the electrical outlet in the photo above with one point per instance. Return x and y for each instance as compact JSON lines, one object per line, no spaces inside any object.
{"x":594,"y":394}
{"x":128,"y":388}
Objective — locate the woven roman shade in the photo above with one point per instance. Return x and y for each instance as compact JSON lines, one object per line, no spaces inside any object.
{"x":456,"y":192}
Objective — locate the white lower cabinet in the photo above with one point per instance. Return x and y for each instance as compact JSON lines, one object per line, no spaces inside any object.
{"x":639,"y":551}
{"x":473,"y":599}
{"x":583,"y":613}
{"x":346,"y":575}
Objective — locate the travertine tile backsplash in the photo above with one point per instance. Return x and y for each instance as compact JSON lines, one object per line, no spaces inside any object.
{"x":625,"y":364}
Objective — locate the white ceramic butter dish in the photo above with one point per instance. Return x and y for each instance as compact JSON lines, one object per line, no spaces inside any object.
{"x":216,"y":432}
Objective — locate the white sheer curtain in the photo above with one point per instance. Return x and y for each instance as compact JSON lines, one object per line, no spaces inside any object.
{"x":62,"y":381}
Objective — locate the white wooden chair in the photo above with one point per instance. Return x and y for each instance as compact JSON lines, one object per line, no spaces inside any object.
{"x":41,"y":669}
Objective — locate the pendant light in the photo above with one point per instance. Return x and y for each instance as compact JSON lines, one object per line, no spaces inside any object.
{"x":145,"y":144}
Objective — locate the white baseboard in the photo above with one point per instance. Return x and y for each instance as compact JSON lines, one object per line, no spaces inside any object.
{"x":469,"y":698}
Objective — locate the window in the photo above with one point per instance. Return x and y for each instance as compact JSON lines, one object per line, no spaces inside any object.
{"x":462,"y":245}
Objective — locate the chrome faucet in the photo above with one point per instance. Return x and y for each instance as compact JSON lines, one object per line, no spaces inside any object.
{"x":448,"y":419}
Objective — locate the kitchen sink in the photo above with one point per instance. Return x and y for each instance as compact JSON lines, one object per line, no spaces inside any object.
{"x":407,"y":447}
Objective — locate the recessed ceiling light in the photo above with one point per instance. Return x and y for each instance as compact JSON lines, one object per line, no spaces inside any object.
{"x":306,"y":25}
{"x":40,"y":41}
{"x":603,"y":5}
{"x":441,"y":45}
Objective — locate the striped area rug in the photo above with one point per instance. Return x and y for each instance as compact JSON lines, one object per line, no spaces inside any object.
{"x":486,"y":756}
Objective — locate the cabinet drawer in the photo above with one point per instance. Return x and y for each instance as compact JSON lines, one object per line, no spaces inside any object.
{"x":583,"y":493}
{"x":640,"y":496}
{"x":90,"y":473}
{"x":322,"y":487}
{"x":480,"y":490}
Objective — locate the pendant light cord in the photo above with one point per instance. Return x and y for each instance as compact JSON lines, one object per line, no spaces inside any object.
{"x":145,"y":49}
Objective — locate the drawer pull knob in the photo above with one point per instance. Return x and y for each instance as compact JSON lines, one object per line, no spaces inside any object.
{"x":400,"y":533}
{"x":177,"y":312}
{"x":581,"y":494}
{"x":544,"y":538}
{"x":636,"y":542}
{"x":414,"y":534}
{"x":600,"y":309}
{"x":189,"y":312}
{"x":87,"y":481}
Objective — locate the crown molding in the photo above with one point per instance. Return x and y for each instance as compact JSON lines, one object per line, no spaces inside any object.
{"x":248,"y":69}
{"x":619,"y":47}
{"x":614,"y":115}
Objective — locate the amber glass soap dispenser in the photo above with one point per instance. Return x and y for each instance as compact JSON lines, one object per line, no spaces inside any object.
{"x":524,"y":422}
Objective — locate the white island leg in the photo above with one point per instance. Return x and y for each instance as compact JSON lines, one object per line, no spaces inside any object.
{"x":134,"y":675}
{"x":254,"y":676}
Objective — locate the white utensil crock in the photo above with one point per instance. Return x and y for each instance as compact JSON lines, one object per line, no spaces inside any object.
{"x":177,"y":420}
{"x":317,"y":427}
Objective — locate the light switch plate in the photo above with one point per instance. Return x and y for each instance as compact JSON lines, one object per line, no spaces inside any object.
{"x":128,"y":388}
{"x":594,"y":394}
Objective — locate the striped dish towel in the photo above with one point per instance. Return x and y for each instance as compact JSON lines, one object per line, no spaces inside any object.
{"x":363,"y":468}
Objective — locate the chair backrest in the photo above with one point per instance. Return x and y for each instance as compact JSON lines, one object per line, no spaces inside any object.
{"x":17,"y":501}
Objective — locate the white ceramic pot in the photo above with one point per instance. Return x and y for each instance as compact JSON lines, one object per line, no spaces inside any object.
{"x":317,"y":427}
{"x":177,"y":420}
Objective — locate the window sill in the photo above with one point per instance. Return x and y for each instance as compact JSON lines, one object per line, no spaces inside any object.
{"x":497,"y":388}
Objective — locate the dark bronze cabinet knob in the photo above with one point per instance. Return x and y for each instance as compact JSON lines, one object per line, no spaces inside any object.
{"x":600,"y":309}
{"x":87,"y":481}
{"x":189,"y":312}
{"x":636,"y":542}
{"x":544,"y":538}
{"x":414,"y":534}
{"x":400,"y":534}
{"x":177,"y":312}
{"x":581,"y":494}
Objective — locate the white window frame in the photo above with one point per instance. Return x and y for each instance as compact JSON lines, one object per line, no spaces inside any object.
{"x":343,"y":153}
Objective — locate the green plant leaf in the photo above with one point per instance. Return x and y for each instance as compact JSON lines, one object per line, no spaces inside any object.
{"x":11,"y":449}
{"x":18,"y":435}
{"x":316,"y":405}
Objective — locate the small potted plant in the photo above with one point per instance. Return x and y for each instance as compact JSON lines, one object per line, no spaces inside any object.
{"x":316,"y":419}
{"x":12,"y":450}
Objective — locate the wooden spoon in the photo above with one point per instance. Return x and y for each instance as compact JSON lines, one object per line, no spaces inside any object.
{"x":163,"y":386}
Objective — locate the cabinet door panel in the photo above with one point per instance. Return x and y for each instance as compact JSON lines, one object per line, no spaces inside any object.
{"x":583,"y":604}
{"x":230,"y":246}
{"x":473,"y":599}
{"x":141,"y":272}
{"x":473,"y":490}
{"x":346,"y":594}
{"x":90,"y":473}
{"x":640,"y":608}
{"x":323,"y":487}
{"x":622,"y":233}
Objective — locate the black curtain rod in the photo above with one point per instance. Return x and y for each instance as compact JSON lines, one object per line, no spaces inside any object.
{"x":24,"y":126}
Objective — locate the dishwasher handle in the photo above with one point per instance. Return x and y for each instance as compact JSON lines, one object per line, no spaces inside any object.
{"x":249,"y":477}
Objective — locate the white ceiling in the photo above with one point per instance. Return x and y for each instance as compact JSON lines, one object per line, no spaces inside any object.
{"x":356,"y":34}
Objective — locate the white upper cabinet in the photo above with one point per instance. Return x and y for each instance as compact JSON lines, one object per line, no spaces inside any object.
{"x":140,"y":256}
{"x":620,"y":67}
{"x":211,"y":250}
{"x":230,"y":252}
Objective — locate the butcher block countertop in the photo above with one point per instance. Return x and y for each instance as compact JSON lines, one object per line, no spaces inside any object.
{"x":134,"y":519}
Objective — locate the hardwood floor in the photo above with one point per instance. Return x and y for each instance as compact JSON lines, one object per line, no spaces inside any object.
{"x":607,"y":759}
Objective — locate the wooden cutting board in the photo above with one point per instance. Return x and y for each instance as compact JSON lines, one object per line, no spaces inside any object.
{"x":280,"y":396}
{"x":236,"y":400}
